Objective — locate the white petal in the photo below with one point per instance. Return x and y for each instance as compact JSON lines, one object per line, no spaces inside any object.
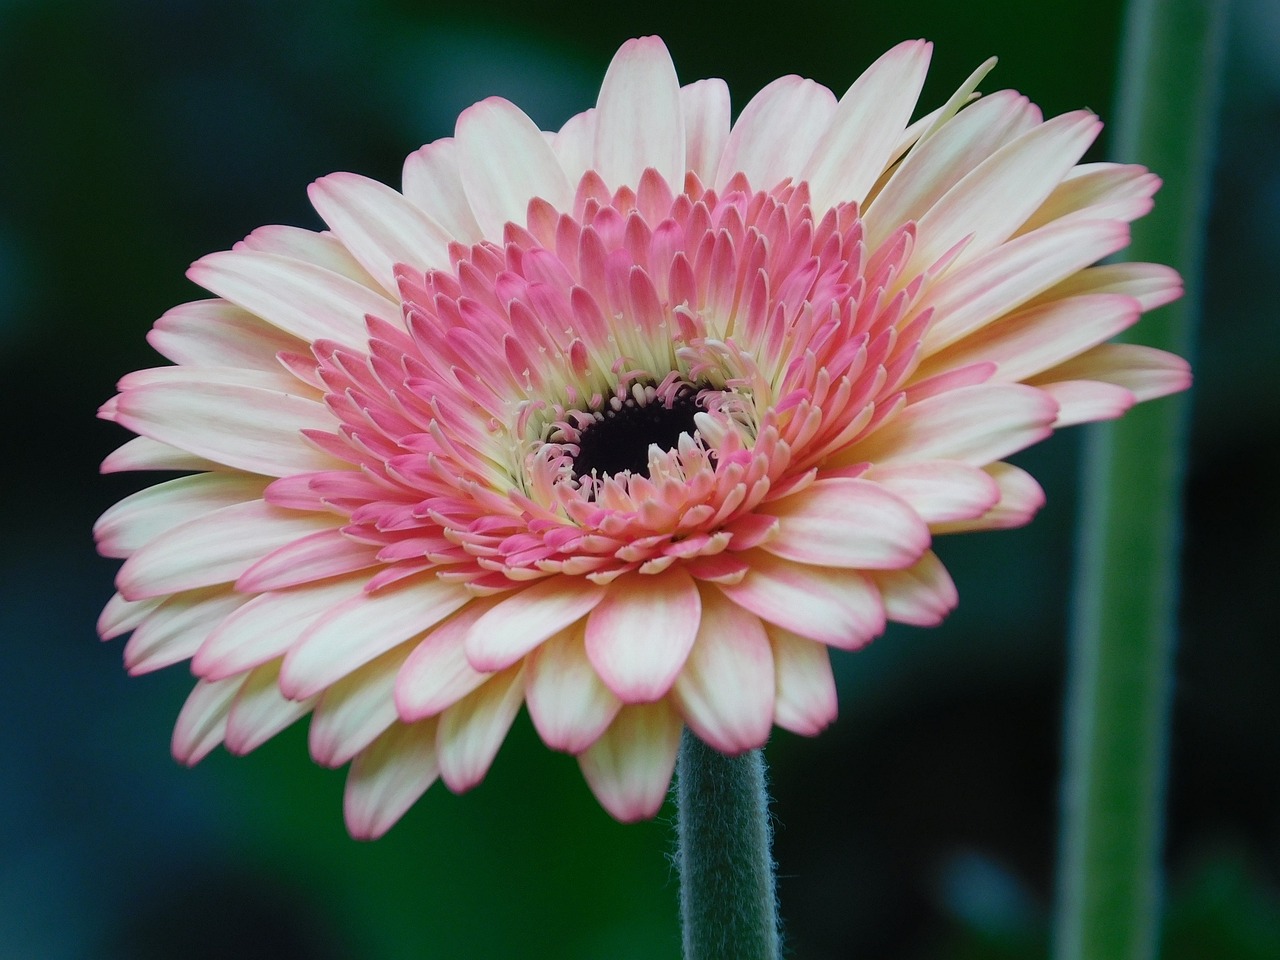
{"x":212,"y":549}
{"x":353,"y":712}
{"x":433,"y":184}
{"x":119,"y":616}
{"x":568,"y":702}
{"x":522,"y":620}
{"x":388,"y":777}
{"x":998,"y":196}
{"x":805,"y":686}
{"x":504,"y":163}
{"x":472,"y":730}
{"x":379,"y":226}
{"x":302,"y":299}
{"x":322,"y":249}
{"x":1151,"y":284}
{"x":921,"y":595}
{"x":143,"y":453}
{"x":836,"y":607}
{"x":214,"y":333}
{"x":260,"y":710}
{"x":776,"y":132}
{"x":842,"y":522}
{"x":357,"y":630}
{"x":938,"y":490}
{"x":437,"y":673}
{"x":639,"y":636}
{"x":143,"y":516}
{"x":639,"y":123}
{"x":1145,"y":372}
{"x":175,"y":630}
{"x":1098,"y":191}
{"x":974,"y":425}
{"x":866,"y":127}
{"x":1020,"y":498}
{"x":726,"y":689}
{"x":1085,"y":401}
{"x":629,"y":768}
{"x":705,"y":105}
{"x":575,"y":144}
{"x":202,"y":723}
{"x":266,"y":626}
{"x":250,"y":428}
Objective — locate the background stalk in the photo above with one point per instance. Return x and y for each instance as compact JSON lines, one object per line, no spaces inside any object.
{"x":1123,"y":633}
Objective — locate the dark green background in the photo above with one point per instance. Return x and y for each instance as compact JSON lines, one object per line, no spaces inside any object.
{"x":135,"y":137}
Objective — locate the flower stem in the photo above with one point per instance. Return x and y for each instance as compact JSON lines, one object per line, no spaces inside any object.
{"x":728,"y":907}
{"x":1123,"y":632}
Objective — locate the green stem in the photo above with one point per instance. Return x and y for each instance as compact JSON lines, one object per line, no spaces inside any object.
{"x":728,"y":908}
{"x":1123,"y":632}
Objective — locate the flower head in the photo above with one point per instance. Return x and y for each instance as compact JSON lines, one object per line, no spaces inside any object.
{"x":627,"y":423}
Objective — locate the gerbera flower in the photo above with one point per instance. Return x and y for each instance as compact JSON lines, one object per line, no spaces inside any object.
{"x":628,"y":423}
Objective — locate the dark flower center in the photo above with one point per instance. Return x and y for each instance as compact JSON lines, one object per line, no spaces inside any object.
{"x":619,"y":437}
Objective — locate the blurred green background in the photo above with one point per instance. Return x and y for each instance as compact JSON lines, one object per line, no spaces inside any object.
{"x":137,"y":136}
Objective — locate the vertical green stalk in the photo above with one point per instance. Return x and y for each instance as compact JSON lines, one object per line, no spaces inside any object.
{"x":1122,"y":640}
{"x":728,"y":908}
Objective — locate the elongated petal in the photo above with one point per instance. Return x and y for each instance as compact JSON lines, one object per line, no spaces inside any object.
{"x":938,"y":490}
{"x":437,"y":673}
{"x":777,"y":132}
{"x":260,"y":710}
{"x":212,"y":549}
{"x":472,"y":730}
{"x":847,"y":523}
{"x":805,"y":687}
{"x":568,"y":702}
{"x":629,"y":768}
{"x":726,"y":690}
{"x":518,"y":623}
{"x":504,"y":163}
{"x":353,"y":712}
{"x":639,"y":123}
{"x":1020,"y":498}
{"x":867,"y":125}
{"x":388,"y":777}
{"x":214,"y":333}
{"x":317,"y":556}
{"x":705,"y":106}
{"x":357,"y":630}
{"x":143,"y":453}
{"x":1144,"y":371}
{"x":641,"y":633}
{"x":379,"y":226}
{"x":921,"y":595}
{"x":255,"y":429}
{"x":202,"y":723}
{"x":301,"y":299}
{"x":432,"y":182}
{"x":974,"y":425}
{"x":836,"y":607}
{"x":140,"y":518}
{"x":174,"y":631}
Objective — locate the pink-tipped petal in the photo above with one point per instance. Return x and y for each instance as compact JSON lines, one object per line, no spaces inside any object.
{"x":214,"y":333}
{"x":1145,"y":372}
{"x":847,"y":523}
{"x":437,"y":673}
{"x":357,"y":630}
{"x":837,"y":607}
{"x":379,"y":226}
{"x":505,"y":162}
{"x":301,"y":299}
{"x":1087,"y":401}
{"x":119,"y":616}
{"x":726,"y":690}
{"x":353,"y":712}
{"x":138,"y":519}
{"x":202,"y":723}
{"x":776,"y":132}
{"x":1020,"y":498}
{"x":260,"y":710}
{"x":629,"y":768}
{"x":388,"y":777}
{"x":472,"y":730}
{"x":175,"y":630}
{"x":867,"y":125}
{"x":921,"y":595}
{"x":522,"y":620}
{"x":212,"y":549}
{"x":568,"y":702}
{"x":938,"y":490}
{"x":705,"y":105}
{"x":639,"y":123}
{"x":317,"y":556}
{"x":974,"y":425}
{"x":639,"y":636}
{"x":805,"y":687}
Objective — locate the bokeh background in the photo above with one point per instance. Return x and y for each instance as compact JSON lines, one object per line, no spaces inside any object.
{"x":136,"y":136}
